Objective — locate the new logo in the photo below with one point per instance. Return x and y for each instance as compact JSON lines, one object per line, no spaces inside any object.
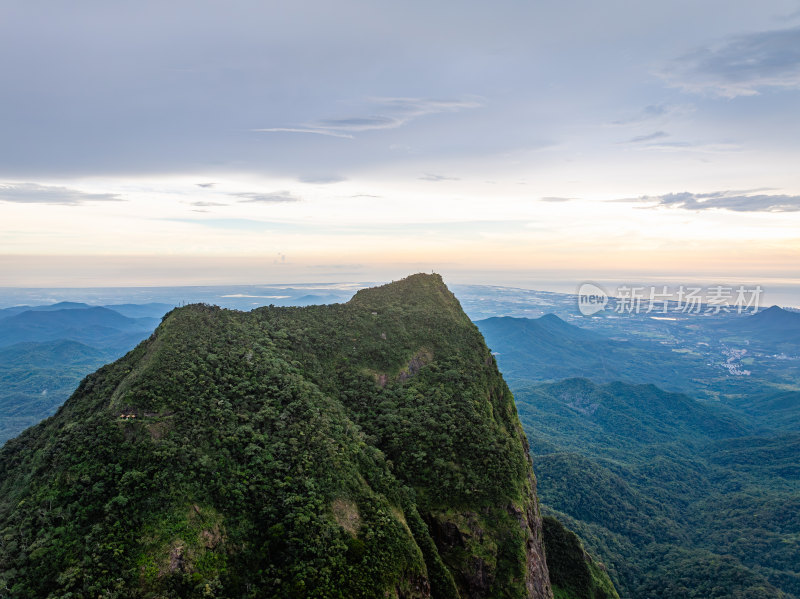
{"x":591,"y":299}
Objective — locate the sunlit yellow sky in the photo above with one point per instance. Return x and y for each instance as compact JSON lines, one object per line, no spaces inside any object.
{"x":492,"y":142}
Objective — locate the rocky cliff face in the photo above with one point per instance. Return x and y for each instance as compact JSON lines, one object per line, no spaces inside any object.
{"x":368,"y":449}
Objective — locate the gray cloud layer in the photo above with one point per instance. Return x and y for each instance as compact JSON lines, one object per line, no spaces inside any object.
{"x":321,"y":179}
{"x":391,"y":113}
{"x":649,"y":137}
{"x":33,"y":193}
{"x":742,"y":65}
{"x":148,"y":88}
{"x":736,"y":201}
{"x":436,"y":177}
{"x":207,"y":204}
{"x":266,"y":198}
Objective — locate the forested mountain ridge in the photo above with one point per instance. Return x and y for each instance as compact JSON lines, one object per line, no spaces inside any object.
{"x":679,"y":498}
{"x":366,"y":449}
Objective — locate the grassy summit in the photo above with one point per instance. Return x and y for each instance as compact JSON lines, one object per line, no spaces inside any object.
{"x":367,"y":449}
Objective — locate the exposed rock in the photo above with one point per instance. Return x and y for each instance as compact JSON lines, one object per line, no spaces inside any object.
{"x":480,"y":578}
{"x":177,"y":561}
{"x":420,"y":589}
{"x":537,"y":579}
{"x":416,"y":363}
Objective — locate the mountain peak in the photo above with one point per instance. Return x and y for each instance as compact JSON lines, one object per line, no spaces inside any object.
{"x":366,"y":449}
{"x":776,"y":311}
{"x":418,"y":291}
{"x":775,"y":317}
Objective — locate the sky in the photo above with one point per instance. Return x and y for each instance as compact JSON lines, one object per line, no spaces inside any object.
{"x":153,"y":143}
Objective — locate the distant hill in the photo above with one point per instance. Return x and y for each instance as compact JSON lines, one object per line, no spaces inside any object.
{"x":96,"y":325}
{"x":151,"y":310}
{"x":51,"y":353}
{"x":36,"y":378}
{"x":61,"y":306}
{"x":773,"y":328}
{"x":6,"y":312}
{"x":775,"y":318}
{"x":45,"y":351}
{"x":550,"y":349}
{"x":620,"y":416}
{"x":773,"y":409}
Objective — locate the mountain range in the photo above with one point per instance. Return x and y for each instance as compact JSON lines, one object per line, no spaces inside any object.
{"x":366,"y":449}
{"x":678,"y":470}
{"x":45,"y":351}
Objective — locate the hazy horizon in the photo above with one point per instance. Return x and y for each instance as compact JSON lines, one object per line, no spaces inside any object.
{"x":781,"y":292}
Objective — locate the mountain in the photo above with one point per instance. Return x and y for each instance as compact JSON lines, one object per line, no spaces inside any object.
{"x":36,"y":378}
{"x":45,"y":351}
{"x":6,"y":312}
{"x":49,"y":354}
{"x":773,"y":329}
{"x":550,"y":349}
{"x":367,"y":449}
{"x":775,"y":317}
{"x":773,"y":409}
{"x":93,"y":325}
{"x":61,"y":306}
{"x":617,"y":414}
{"x":678,"y":498}
{"x":151,"y":310}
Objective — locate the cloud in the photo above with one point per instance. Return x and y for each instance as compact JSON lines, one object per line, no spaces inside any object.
{"x":387,"y":113}
{"x":33,"y":193}
{"x":276,"y":197}
{"x":314,"y":130}
{"x":555,"y":199}
{"x":736,"y":201}
{"x":321,"y":179}
{"x":436,"y":178}
{"x":683,"y":146}
{"x":654,"y":112}
{"x":649,"y":137}
{"x":205,"y":185}
{"x":207,"y":204}
{"x":654,"y":141}
{"x":231,"y":224}
{"x":740,"y":66}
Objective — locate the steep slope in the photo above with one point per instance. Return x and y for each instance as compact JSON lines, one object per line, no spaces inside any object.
{"x":367,"y":449}
{"x":573,"y":572}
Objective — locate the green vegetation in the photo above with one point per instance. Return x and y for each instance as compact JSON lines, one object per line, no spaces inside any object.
{"x":678,"y":498}
{"x":573,"y":572}
{"x":549,"y":349}
{"x":45,"y":351}
{"x":36,"y":378}
{"x":368,"y":449}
